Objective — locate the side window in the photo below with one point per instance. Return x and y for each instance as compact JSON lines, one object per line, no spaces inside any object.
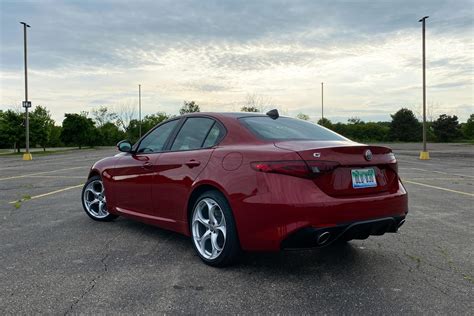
{"x":155,"y":141}
{"x":192,"y":134}
{"x":214,"y":135}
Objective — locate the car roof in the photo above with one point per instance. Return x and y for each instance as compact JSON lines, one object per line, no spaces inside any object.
{"x":234,"y":115}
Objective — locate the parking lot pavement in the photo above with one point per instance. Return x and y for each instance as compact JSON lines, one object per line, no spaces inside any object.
{"x":54,"y":259}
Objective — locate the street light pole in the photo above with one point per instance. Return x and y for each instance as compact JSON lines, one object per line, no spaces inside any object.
{"x":424,"y":155}
{"x":322,"y":100}
{"x":140,"y":110}
{"x":26,"y":103}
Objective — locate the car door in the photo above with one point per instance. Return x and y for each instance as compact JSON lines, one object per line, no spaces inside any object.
{"x":134,"y":172}
{"x":178,"y":167}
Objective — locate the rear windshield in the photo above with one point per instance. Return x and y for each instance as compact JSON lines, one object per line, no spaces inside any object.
{"x":285,"y":128}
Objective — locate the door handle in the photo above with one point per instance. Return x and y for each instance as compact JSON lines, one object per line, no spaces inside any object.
{"x":192,"y":163}
{"x":147,"y":165}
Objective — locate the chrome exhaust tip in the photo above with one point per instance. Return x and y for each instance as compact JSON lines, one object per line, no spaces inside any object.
{"x":401,"y":223}
{"x":323,"y":238}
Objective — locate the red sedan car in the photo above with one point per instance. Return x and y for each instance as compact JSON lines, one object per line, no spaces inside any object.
{"x":248,"y":181}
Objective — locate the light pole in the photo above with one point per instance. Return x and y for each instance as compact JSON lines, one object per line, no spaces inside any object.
{"x":140,"y":110}
{"x":322,"y":100}
{"x":26,"y":103}
{"x":424,"y":155}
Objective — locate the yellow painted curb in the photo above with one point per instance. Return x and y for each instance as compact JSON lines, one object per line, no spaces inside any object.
{"x":424,"y":155}
{"x":27,"y":156}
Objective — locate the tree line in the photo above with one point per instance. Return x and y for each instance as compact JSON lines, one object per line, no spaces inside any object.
{"x":105,"y":127}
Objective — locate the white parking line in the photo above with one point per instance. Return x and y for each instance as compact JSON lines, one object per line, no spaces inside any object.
{"x":38,"y":173}
{"x":46,"y":194}
{"x":441,"y":172}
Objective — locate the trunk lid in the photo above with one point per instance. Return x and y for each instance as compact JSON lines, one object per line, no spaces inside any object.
{"x":342,"y":157}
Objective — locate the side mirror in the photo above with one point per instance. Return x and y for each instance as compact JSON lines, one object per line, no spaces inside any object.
{"x":124,"y":146}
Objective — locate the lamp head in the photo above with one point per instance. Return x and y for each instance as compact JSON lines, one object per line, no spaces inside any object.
{"x":423,"y":18}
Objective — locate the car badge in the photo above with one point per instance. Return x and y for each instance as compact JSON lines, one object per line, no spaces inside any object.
{"x":368,"y":155}
{"x":316,"y":155}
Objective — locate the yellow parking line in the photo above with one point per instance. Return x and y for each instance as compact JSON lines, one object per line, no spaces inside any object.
{"x":49,"y":193}
{"x":37,"y":173}
{"x":438,"y":188}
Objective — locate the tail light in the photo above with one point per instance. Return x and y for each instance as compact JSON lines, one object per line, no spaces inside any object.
{"x":393,"y":164}
{"x":296,"y":168}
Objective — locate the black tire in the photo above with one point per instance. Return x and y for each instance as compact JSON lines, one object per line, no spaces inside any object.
{"x":101,"y":215}
{"x":231,"y":249}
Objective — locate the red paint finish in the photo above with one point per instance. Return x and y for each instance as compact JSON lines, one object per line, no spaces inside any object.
{"x":268,"y":205}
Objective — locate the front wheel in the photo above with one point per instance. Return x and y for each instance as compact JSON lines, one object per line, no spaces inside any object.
{"x":94,"y":200}
{"x":213,"y":230}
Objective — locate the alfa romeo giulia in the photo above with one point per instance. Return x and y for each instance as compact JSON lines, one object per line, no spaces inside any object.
{"x":249,"y":182}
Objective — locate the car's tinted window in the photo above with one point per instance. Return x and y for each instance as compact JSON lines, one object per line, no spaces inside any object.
{"x":214,"y":135}
{"x":155,"y":141}
{"x":192,"y":133}
{"x":285,"y":128}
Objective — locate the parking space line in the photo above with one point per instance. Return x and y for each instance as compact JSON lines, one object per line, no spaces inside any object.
{"x":49,"y":193}
{"x":54,"y":177}
{"x":453,"y":179}
{"x":438,"y":188}
{"x":441,"y":172}
{"x":38,"y":173}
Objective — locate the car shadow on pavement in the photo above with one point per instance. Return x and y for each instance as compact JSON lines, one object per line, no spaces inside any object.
{"x":349,"y":257}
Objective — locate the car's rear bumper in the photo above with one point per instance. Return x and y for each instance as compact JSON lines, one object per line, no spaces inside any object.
{"x":311,"y":237}
{"x":284,"y":205}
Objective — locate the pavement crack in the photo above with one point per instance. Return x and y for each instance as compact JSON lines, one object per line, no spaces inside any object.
{"x":95,"y":280}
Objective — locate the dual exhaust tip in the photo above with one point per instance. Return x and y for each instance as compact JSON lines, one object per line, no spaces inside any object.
{"x":400,"y":223}
{"x":323,"y":238}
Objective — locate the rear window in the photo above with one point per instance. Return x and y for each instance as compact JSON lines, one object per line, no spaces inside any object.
{"x":285,"y":128}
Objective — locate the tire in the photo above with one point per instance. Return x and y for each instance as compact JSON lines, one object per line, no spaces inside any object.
{"x":214,"y":234}
{"x":94,"y":200}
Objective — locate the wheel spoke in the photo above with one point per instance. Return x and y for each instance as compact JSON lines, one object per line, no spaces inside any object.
{"x":212,"y":216}
{"x":201,"y":219}
{"x":215,"y":246}
{"x":222,"y":228}
{"x":203,"y":239}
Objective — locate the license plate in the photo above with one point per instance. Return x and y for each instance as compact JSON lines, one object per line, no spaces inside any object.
{"x":363,"y":178}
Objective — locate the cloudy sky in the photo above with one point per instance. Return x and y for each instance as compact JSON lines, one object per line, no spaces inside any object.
{"x":83,"y":54}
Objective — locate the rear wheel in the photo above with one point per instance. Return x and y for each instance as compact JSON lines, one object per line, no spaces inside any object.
{"x":94,"y":200}
{"x":213,"y":230}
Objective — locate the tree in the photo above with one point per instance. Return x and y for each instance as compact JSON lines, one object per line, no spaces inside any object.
{"x":125,"y":114}
{"x":404,"y":126}
{"x":102,"y":116}
{"x":55,"y":137}
{"x":248,"y":109}
{"x":109,"y":134}
{"x":78,"y":130}
{"x":446,"y":128}
{"x":256,"y":101}
{"x":468,"y":128}
{"x":326,"y":123}
{"x":12,"y":129}
{"x":148,"y":123}
{"x":189,"y":107}
{"x":40,"y":126}
{"x":302,"y":116}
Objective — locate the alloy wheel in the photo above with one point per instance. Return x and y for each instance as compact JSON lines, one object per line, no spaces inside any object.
{"x":209,"y":228}
{"x":94,"y":199}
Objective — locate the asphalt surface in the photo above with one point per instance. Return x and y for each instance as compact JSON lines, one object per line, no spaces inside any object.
{"x":55,"y":260}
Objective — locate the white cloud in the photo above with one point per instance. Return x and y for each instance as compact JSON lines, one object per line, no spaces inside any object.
{"x":216,"y":55}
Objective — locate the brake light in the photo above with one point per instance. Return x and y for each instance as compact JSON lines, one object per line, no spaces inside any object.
{"x":296,"y":168}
